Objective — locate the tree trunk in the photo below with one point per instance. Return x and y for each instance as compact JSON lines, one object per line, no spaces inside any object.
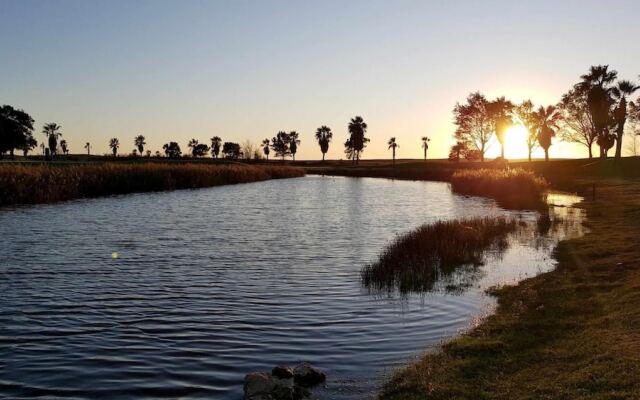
{"x":502,"y":150}
{"x":425,"y":154}
{"x":590,"y":151}
{"x":546,"y":154}
{"x":322,"y":157}
{"x":529,"y":154}
{"x":619,"y":140}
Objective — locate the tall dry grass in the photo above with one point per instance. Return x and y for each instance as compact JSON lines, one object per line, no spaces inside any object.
{"x":512,"y":187}
{"x":415,"y":261}
{"x":24,"y":184}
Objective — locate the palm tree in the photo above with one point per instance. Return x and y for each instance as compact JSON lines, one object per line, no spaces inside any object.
{"x":139,"y":142}
{"x":63,"y":146}
{"x":393,"y":146}
{"x":193,"y":143}
{"x":357,"y":140}
{"x":216,"y":142}
{"x":323,"y":137}
{"x":596,"y":83}
{"x":114,"y":143}
{"x":425,"y":145}
{"x":52,"y":131}
{"x":293,"y":143}
{"x":500,"y":111}
{"x":87,"y":146}
{"x":620,"y":93}
{"x":265,"y":147}
{"x":547,"y":120}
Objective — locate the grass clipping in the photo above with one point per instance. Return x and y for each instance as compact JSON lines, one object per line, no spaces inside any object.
{"x":514,"y":188}
{"x":416,"y":260}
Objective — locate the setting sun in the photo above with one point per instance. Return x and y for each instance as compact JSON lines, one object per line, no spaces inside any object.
{"x":516,"y":142}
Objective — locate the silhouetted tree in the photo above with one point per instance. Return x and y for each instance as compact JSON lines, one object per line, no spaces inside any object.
{"x":620,"y":93}
{"x":348,"y":149}
{"x":16,"y":127}
{"x":323,"y":137}
{"x":114,"y":144}
{"x":139,"y":142}
{"x":64,"y":147}
{"x":596,"y":83}
{"x":499,"y":112}
{"x":265,"y":147}
{"x":280,"y":144}
{"x":192,"y":145}
{"x":216,"y":142}
{"x":474,"y":126}
{"x":525,"y":114}
{"x":358,"y":141}
{"x":52,"y":131}
{"x":577,"y":124}
{"x":172,"y":150}
{"x":606,"y":141}
{"x":294,"y":142}
{"x":548,"y":119}
{"x":393,"y":146}
{"x":231,"y":150}
{"x":425,"y":145}
{"x":29,"y":144}
{"x":87,"y":146}
{"x":457,"y":151}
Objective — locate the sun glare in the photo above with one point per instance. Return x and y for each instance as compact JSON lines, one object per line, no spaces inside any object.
{"x":516,"y":142}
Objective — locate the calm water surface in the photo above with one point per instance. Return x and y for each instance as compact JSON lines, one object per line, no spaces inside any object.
{"x":214,"y":283}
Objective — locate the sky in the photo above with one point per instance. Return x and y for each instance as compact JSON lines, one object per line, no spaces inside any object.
{"x":244,"y":70}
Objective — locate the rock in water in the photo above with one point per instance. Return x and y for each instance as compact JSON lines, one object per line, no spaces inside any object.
{"x":282,"y":372}
{"x":258,"y":385}
{"x":306,"y":375}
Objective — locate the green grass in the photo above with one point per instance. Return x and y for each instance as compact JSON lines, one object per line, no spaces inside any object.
{"x":416,"y":260}
{"x":43,"y":183}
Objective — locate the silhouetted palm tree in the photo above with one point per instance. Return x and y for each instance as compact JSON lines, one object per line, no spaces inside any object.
{"x":193,"y":143}
{"x":87,"y":146}
{"x":293,"y":143}
{"x":548,"y":119}
{"x":63,"y":146}
{"x":393,"y":146}
{"x":114,"y":144}
{"x":265,"y":148}
{"x":139,"y":141}
{"x":323,"y":137}
{"x":52,"y":131}
{"x":216,"y":142}
{"x":358,"y":141}
{"x":620,"y":93}
{"x":596,"y":83}
{"x":425,"y":145}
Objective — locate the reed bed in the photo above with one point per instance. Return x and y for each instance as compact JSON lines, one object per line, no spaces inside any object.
{"x":512,"y":187}
{"x":416,"y":260}
{"x":28,"y":184}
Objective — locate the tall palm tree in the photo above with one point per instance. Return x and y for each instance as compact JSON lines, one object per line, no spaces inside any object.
{"x":596,"y":83}
{"x":323,"y":137}
{"x":139,"y":142}
{"x":87,"y":146}
{"x":500,"y":112}
{"x":393,"y":146}
{"x":620,"y":93}
{"x":216,"y":142}
{"x":294,"y":142}
{"x":425,"y":145}
{"x":193,"y":143}
{"x":547,"y":121}
{"x":114,"y":144}
{"x":265,"y":147}
{"x":52,"y":131}
{"x":357,"y":140}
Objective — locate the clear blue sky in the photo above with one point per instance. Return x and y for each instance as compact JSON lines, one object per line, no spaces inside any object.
{"x":246,"y":69}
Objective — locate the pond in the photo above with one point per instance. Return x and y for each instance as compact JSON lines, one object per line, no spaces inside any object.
{"x":180,"y":294}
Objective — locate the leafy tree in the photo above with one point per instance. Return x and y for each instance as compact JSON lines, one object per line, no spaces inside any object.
{"x":606,"y":141}
{"x":620,"y":93}
{"x":348,"y":149}
{"x":29,"y":144}
{"x":16,"y":127}
{"x":393,"y":146}
{"x":425,"y":145}
{"x":280,"y":144}
{"x":457,"y":151}
{"x":474,"y":125}
{"x":192,"y":145}
{"x":172,"y":150}
{"x":139,"y":142}
{"x":114,"y":144}
{"x":64,"y":147}
{"x":525,"y":115}
{"x":52,"y":131}
{"x":577,"y":124}
{"x":231,"y":150}
{"x":548,"y":119}
{"x":323,"y":137}
{"x":500,"y":113}
{"x":216,"y":142}
{"x":357,"y":139}
{"x":265,"y":147}
{"x":294,"y":142}
{"x":200,"y":150}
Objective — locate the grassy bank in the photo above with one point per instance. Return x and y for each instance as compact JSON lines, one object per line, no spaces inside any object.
{"x":42,"y":183}
{"x":569,"y":334}
{"x":414,"y":261}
